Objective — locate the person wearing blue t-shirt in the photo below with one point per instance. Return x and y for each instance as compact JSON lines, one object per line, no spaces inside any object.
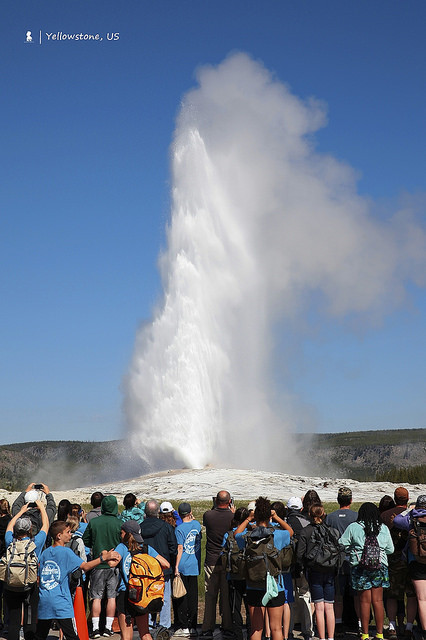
{"x":57,"y":563}
{"x":262,"y":516}
{"x":188,"y":565}
{"x":22,"y":607}
{"x":132,"y":542}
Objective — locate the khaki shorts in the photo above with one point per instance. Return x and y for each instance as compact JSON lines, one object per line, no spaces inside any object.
{"x":400,"y":582}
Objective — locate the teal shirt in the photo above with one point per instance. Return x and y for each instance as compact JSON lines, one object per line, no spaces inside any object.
{"x":353,"y":540}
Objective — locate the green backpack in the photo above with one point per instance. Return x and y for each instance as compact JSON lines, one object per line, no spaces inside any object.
{"x":261,"y":557}
{"x":233,"y":561}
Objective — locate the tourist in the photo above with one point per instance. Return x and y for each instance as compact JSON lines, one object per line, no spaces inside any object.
{"x":57,"y":563}
{"x":161,"y":536}
{"x":103,"y":532}
{"x":340,"y":520}
{"x":188,"y":565}
{"x":132,"y":543}
{"x":217,"y":522}
{"x":22,"y":606}
{"x":320,"y":574}
{"x":416,"y":565}
{"x":134,"y":509}
{"x":401,"y":586}
{"x":261,"y":518}
{"x":369,"y":583}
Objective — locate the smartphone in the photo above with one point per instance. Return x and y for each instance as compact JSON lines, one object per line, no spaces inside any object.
{"x":38,"y":486}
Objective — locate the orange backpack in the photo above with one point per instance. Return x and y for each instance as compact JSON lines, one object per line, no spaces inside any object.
{"x":146,"y":584}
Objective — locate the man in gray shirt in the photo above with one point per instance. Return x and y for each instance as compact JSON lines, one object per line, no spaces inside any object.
{"x":340,"y":520}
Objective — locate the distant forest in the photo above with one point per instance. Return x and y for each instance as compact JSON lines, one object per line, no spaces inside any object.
{"x":393,"y":455}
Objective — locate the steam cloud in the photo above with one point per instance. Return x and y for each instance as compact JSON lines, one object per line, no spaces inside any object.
{"x":260,"y":221}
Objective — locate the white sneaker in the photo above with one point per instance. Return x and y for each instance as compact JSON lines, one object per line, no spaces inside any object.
{"x":182,"y":632}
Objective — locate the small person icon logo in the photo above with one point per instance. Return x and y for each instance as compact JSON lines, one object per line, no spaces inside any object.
{"x":29,"y":37}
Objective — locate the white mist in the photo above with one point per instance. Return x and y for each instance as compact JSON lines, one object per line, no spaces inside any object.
{"x":259,"y":220}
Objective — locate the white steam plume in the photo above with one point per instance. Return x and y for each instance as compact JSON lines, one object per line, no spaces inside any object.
{"x":259,"y":221}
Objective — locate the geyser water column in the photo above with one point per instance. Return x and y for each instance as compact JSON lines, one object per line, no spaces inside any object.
{"x":258,"y":221}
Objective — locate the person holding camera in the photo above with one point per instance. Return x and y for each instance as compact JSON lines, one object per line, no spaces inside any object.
{"x":32,"y":493}
{"x":22,"y":604}
{"x":217,"y":522}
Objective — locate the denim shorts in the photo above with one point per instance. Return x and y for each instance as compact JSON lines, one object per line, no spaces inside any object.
{"x":103,"y":581}
{"x":321,"y":585}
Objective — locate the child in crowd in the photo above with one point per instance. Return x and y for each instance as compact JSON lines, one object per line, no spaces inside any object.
{"x":57,"y":563}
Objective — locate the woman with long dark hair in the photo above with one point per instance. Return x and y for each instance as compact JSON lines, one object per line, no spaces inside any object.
{"x":368,"y":582}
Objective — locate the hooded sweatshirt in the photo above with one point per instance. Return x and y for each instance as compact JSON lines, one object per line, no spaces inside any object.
{"x":160,"y":535}
{"x":104,"y":532}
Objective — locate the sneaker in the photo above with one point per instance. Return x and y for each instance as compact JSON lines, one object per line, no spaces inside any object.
{"x":182,"y":632}
{"x":162,"y":633}
{"x":95,"y":634}
{"x":108,"y":633}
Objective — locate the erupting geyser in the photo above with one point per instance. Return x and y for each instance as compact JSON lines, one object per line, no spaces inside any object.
{"x":259,"y":220}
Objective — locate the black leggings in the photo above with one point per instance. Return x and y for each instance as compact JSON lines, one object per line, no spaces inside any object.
{"x":16,"y":603}
{"x":67,"y":626}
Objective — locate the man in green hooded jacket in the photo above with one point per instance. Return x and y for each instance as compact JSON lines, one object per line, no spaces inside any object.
{"x":103,"y":533}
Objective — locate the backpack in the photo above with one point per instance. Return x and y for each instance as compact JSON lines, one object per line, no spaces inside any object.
{"x":399,"y":539}
{"x":145,"y":585}
{"x":324,"y":549}
{"x":75,"y":578}
{"x":370,"y":557}
{"x":18,"y":567}
{"x":261,"y":557}
{"x":233,"y":561}
{"x":417,"y":539}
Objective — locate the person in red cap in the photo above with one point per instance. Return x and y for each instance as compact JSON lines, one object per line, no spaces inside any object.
{"x":400,"y":582}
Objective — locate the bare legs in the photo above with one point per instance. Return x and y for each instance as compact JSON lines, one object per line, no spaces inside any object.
{"x":367,"y":598}
{"x":257,"y":615}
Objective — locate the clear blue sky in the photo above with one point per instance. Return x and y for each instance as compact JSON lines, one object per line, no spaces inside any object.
{"x":86,"y":129}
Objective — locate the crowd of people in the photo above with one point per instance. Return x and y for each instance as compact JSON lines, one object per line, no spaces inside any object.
{"x":271,"y":567}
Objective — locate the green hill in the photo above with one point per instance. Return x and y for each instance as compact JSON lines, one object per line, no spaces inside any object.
{"x":397,"y":455}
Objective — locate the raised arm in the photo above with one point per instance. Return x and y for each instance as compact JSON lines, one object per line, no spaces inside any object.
{"x":283,"y":524}
{"x":44,"y":518}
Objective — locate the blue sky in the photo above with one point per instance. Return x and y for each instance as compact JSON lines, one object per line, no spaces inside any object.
{"x":86,"y":129}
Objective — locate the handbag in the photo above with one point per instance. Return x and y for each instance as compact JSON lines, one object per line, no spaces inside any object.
{"x":179,"y":589}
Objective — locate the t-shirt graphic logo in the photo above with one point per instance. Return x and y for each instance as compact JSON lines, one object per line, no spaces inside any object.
{"x":192,"y":543}
{"x":50,"y":575}
{"x":29,"y":36}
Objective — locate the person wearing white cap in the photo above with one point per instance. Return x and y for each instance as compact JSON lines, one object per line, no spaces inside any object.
{"x":22,"y":606}
{"x":31,"y":494}
{"x":161,"y":536}
{"x":169,"y":514}
{"x":302,"y":595}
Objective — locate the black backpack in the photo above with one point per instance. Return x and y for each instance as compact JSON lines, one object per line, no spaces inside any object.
{"x":324,"y":549}
{"x":370,"y":557}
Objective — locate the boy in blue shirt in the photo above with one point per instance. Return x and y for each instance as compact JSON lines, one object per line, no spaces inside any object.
{"x":57,"y":563}
{"x":188,"y":563}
